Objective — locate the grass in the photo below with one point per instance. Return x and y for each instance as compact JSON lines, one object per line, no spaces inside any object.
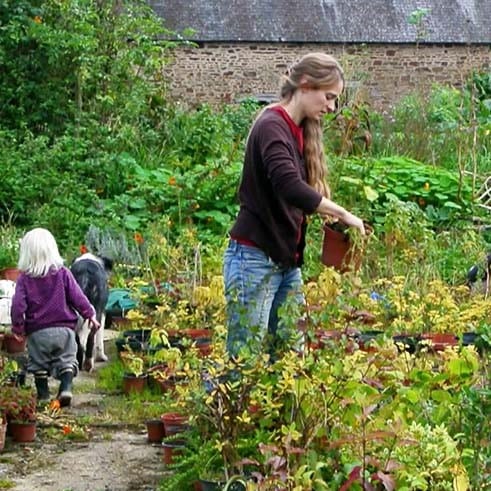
{"x":135,"y":407}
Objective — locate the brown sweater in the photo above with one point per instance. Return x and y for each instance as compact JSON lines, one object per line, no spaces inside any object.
{"x":274,"y":195}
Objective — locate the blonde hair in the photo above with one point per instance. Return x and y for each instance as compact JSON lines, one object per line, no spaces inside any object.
{"x":39,"y":253}
{"x":317,"y":70}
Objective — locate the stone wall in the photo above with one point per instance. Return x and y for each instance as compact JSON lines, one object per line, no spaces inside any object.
{"x":218,"y":72}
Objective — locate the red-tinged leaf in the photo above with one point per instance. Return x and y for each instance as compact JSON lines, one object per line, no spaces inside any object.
{"x":257,"y":476}
{"x":392,"y":465}
{"x":296,"y":450}
{"x":369,"y":409}
{"x":380,"y":435}
{"x":373,"y":462}
{"x":263,"y":448}
{"x":353,"y":477}
{"x":373,"y":383}
{"x":386,"y":479}
{"x":341,"y":441}
{"x":346,"y":402}
{"x":276,"y":462}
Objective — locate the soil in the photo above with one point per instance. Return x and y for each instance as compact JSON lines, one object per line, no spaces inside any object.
{"x":116,"y":457}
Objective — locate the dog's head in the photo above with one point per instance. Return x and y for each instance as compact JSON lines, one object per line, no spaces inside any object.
{"x":475,"y":271}
{"x":106,"y":262}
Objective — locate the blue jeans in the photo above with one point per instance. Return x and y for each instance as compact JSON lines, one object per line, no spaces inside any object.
{"x":255,"y":288}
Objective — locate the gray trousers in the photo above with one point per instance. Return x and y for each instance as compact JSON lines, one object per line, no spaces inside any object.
{"x":53,"y":349}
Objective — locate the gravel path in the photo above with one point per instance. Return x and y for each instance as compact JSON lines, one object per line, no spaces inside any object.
{"x":115,"y":458}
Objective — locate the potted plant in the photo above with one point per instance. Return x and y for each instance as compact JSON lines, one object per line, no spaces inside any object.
{"x":340,"y":248}
{"x":135,"y":376}
{"x":18,"y":405}
{"x":3,"y":432}
{"x":9,"y":253}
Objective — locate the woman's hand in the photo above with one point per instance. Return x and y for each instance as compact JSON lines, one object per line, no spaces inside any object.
{"x":328,"y":207}
{"x":354,"y":221}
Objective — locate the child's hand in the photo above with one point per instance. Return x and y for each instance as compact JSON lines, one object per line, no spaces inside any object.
{"x":95,"y":324}
{"x":17,"y":332}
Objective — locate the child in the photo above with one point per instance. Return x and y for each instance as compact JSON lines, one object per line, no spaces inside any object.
{"x":44,"y":308}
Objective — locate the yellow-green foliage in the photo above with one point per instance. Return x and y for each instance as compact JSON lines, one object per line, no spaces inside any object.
{"x":435,"y":308}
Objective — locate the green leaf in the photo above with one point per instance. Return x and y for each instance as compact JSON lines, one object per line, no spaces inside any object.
{"x":351,"y":180}
{"x":370,"y":193}
{"x":441,"y":396}
{"x":451,"y":204}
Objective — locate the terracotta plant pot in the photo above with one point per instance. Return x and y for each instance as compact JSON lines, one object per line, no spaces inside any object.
{"x":13,"y":345}
{"x":10,"y":274}
{"x":22,"y":432}
{"x":197,"y":333}
{"x":174,"y":423}
{"x":3,"y":433}
{"x":155,"y":430}
{"x":440,"y":341}
{"x":133,"y":383}
{"x":204,"y":346}
{"x":337,"y":249}
{"x":171,"y":449}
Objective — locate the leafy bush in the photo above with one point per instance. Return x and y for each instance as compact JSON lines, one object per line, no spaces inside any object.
{"x":443,"y":195}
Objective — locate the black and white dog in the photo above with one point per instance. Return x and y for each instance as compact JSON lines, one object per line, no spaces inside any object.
{"x":92,"y":274}
{"x":479,"y":277}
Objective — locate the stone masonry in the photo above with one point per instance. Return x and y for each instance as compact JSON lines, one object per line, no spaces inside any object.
{"x":220,"y":72}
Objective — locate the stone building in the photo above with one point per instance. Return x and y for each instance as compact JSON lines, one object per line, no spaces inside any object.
{"x":388,"y":47}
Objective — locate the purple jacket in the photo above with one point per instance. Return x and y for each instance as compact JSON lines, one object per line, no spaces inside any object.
{"x":49,"y":301}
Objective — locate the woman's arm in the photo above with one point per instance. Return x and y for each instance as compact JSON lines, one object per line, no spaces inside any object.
{"x":328,"y":207}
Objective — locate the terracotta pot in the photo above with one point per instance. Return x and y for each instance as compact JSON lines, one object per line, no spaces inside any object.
{"x":10,"y":274}
{"x":132,"y":383}
{"x":337,"y":249}
{"x":204,"y":346}
{"x":3,"y":433}
{"x":440,"y":341}
{"x":155,"y":430}
{"x":197,"y":333}
{"x":22,"y":432}
{"x":171,"y":449}
{"x":13,"y":345}
{"x":174,"y":423}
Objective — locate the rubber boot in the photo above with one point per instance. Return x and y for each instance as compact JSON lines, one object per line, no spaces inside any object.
{"x":41,"y":381}
{"x":65,"y":393}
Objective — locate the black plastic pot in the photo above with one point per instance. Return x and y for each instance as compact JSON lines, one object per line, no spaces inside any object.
{"x":135,"y":339}
{"x":406,"y":342}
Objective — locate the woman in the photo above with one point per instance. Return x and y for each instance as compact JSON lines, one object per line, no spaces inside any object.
{"x":283,"y":180}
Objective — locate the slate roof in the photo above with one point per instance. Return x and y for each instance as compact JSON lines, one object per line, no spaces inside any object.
{"x":334,"y":21}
